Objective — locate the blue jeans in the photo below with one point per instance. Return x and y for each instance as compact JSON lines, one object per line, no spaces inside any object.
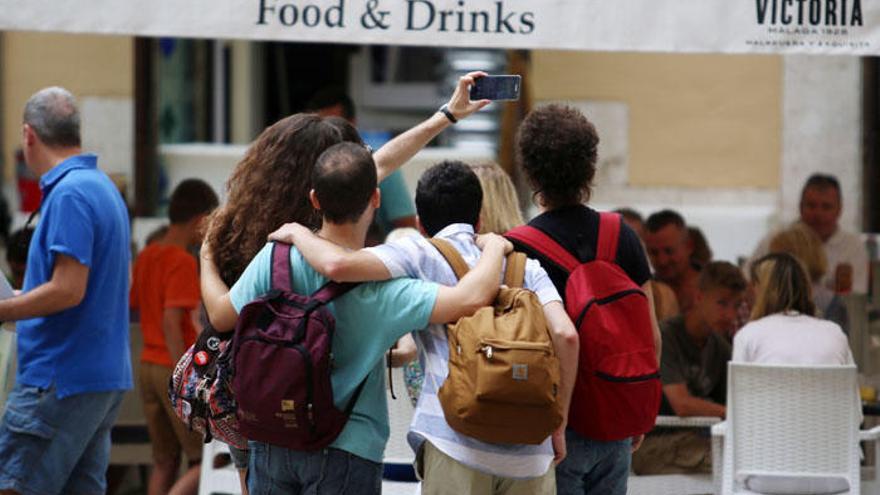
{"x":50,"y":445}
{"x":276,"y":470}
{"x":593,"y":467}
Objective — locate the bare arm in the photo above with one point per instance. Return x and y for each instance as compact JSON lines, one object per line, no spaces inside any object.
{"x":215,"y":294}
{"x":684,"y":404}
{"x":567,"y":346}
{"x":476,"y":289}
{"x":329,"y":259}
{"x":402,"y":148}
{"x":66,"y":289}
{"x":404,"y":352}
{"x":171,"y":327}
{"x":655,"y":327}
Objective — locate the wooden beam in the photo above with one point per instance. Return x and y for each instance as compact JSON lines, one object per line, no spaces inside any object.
{"x":146,"y":156}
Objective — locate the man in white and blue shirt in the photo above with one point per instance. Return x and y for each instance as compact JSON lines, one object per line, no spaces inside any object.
{"x":448,"y":200}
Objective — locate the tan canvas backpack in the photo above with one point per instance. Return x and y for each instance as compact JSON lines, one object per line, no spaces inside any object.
{"x":503,"y":377}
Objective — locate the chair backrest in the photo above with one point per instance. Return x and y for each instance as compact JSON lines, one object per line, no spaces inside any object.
{"x":793,"y":421}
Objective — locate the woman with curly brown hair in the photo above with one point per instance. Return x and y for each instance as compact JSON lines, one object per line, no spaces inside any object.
{"x":271,"y":184}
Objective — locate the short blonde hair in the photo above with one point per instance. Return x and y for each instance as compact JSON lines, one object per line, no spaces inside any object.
{"x":500,"y":209}
{"x":803,"y":243}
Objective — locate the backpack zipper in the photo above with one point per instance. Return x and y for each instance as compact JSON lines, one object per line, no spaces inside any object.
{"x":309,"y":386}
{"x":627,"y":379}
{"x":606,"y":300}
{"x":489,"y":346}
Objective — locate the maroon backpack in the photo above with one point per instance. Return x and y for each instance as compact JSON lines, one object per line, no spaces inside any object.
{"x":617,"y":390}
{"x":283,"y":359}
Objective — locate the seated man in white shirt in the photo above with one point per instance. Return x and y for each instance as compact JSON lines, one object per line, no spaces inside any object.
{"x":448,"y":201}
{"x":820,"y":209}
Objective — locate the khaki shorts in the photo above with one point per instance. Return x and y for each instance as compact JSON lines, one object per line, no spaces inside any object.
{"x":443,"y":475}
{"x":675,"y":452}
{"x":168,"y":434}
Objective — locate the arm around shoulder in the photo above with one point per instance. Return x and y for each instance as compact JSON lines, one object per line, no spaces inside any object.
{"x":476,"y":289}
{"x":329,"y":259}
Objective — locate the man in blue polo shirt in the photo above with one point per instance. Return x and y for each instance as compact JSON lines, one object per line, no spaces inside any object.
{"x":73,"y":350}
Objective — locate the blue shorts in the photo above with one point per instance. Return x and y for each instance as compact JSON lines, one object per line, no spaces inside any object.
{"x":50,"y":445}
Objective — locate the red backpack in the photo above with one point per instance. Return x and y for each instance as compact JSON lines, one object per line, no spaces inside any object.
{"x":617,"y":391}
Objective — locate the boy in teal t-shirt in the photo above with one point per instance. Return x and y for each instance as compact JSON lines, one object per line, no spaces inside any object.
{"x":368,"y":320}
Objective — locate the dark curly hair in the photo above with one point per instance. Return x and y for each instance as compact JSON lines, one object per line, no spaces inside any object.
{"x":269,"y":187}
{"x":556,"y":147}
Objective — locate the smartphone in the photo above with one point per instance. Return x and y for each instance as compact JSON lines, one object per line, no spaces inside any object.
{"x":496,"y":88}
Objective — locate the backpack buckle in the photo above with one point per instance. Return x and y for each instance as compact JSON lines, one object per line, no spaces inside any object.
{"x":488,"y":351}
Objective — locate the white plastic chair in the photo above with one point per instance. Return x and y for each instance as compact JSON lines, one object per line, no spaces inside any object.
{"x":675,"y":484}
{"x":791,"y":429}
{"x":223,"y":480}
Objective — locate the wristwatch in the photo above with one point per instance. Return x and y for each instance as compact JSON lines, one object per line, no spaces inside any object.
{"x":445,"y":111}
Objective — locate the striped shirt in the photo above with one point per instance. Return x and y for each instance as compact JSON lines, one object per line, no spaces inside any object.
{"x":415,"y":257}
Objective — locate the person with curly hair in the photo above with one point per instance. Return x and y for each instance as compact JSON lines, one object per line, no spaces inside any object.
{"x":270,"y":186}
{"x":557,"y":149}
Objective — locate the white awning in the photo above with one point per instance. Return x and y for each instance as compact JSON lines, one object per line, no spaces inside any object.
{"x":726,"y":26}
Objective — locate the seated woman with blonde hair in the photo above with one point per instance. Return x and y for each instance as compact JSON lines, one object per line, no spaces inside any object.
{"x":803,"y":243}
{"x":784,"y":329}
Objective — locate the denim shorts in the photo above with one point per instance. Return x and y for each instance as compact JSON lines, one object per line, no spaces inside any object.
{"x":593,"y":467}
{"x":50,"y":445}
{"x":276,"y":470}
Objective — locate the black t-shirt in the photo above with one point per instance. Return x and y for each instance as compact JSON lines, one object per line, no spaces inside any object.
{"x":576,"y":228}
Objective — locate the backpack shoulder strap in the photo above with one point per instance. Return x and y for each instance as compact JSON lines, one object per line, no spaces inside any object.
{"x":282,"y":277}
{"x":331,"y":290}
{"x":282,"y":272}
{"x":609,"y":233}
{"x":544,"y":244}
{"x":515,"y":271}
{"x":452,"y":257}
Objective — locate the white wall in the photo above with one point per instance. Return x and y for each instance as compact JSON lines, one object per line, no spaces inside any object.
{"x":822,"y":131}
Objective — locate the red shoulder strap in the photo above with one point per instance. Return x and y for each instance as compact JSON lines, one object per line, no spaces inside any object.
{"x":544,"y":244}
{"x":609,"y":233}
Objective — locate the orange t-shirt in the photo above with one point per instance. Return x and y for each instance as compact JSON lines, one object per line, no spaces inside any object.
{"x":165,"y":276}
